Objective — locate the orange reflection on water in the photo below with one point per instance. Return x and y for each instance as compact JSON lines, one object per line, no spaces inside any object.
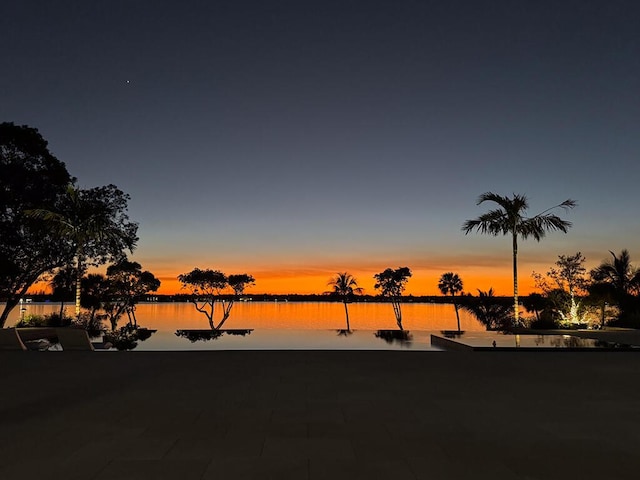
{"x":292,"y":315}
{"x":309,"y":315}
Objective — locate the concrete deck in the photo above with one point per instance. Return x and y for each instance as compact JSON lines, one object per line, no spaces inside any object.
{"x":319,"y":415}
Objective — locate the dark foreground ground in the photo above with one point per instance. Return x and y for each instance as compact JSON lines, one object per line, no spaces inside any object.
{"x":319,"y":415}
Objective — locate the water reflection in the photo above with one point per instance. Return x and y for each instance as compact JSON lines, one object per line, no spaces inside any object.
{"x":403,"y":337}
{"x":294,"y":315}
{"x":344,"y":332}
{"x":452,"y":333}
{"x":570,"y":341}
{"x":127,"y":337}
{"x":207,"y":335}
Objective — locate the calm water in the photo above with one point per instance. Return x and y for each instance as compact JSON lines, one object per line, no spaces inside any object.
{"x":291,"y":325}
{"x":290,"y":316}
{"x":317,"y":326}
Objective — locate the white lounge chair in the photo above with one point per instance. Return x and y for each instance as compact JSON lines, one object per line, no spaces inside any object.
{"x":74,"y":339}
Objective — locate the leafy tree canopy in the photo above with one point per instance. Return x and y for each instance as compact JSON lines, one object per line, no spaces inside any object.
{"x":494,"y":313}
{"x":392,"y":283}
{"x":568,"y":274}
{"x":32,"y":177}
{"x":206,"y":285}
{"x":94,"y":222}
{"x":203,"y":282}
{"x":127,"y":282}
{"x":239,"y":282}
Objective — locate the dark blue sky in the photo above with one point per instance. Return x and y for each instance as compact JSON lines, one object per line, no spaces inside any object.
{"x":306,"y":137}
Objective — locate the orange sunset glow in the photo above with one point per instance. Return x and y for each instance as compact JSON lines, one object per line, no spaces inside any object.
{"x":313,"y":280}
{"x":423,"y":281}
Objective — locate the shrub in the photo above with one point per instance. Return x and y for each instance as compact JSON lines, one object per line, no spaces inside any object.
{"x":31,"y":320}
{"x":55,"y":320}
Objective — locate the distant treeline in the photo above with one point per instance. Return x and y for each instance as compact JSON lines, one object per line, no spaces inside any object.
{"x":292,"y":297}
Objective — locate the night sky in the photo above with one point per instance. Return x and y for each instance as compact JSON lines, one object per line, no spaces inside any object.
{"x":296,"y":139}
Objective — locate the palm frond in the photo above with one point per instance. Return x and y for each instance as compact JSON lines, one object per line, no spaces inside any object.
{"x":538,"y":226}
{"x":494,"y":222}
{"x":566,"y":205}
{"x":450,"y":283}
{"x":59,"y":223}
{"x":344,"y":284}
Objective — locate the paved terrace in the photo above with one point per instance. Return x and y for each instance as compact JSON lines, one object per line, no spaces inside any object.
{"x":319,"y":415}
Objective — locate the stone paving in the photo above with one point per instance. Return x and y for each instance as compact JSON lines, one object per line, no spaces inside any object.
{"x":319,"y":415}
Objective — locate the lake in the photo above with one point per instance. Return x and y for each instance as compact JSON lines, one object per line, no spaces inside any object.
{"x":290,"y":325}
{"x":288,"y":316}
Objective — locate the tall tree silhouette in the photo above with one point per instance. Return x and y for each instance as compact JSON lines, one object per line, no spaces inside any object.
{"x":210,"y":286}
{"x":620,"y":273}
{"x":509,"y":219}
{"x":63,"y":284}
{"x":95,"y":223}
{"x":238,"y":283}
{"x":30,"y":177}
{"x":450,"y":284}
{"x":345,"y":286}
{"x":623,"y":279}
{"x":489,"y":310}
{"x":127,"y":284}
{"x":535,"y":303}
{"x":564,"y":283}
{"x":95,"y":293}
{"x":391,"y":284}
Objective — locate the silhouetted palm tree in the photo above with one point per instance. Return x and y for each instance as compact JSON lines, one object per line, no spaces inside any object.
{"x":450,"y":284}
{"x":619,"y":273}
{"x":489,"y":310}
{"x":623,"y":280}
{"x":509,"y":219}
{"x":535,"y":303}
{"x":89,"y":218}
{"x":345,"y":286}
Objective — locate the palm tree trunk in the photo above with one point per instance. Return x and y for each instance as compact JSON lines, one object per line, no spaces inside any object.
{"x":516,"y":321}
{"x":78,"y":284}
{"x":11,"y":303}
{"x":455,"y":305}
{"x":346,"y":313}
